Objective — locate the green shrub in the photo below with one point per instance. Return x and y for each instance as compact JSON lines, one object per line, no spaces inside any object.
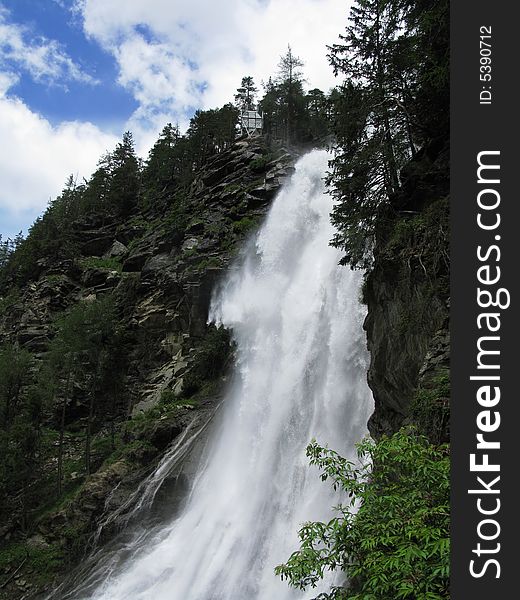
{"x":211,"y":360}
{"x":244,"y":225}
{"x":260,"y":163}
{"x":430,"y":409}
{"x":397,"y":545}
{"x":110,"y":264}
{"x":9,"y":300}
{"x":423,"y":238}
{"x":208,"y":263}
{"x":170,"y":400}
{"x":232,"y":188}
{"x":44,"y":561}
{"x":175,"y":220}
{"x":133,"y":450}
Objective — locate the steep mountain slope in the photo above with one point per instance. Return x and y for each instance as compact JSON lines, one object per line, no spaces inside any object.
{"x":407,"y":294}
{"x":167,"y":365}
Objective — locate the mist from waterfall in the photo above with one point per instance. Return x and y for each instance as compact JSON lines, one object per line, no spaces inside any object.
{"x":300,"y":373}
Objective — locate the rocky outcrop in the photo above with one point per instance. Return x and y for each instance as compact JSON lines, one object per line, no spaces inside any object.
{"x":162,"y":280}
{"x":160,"y":267}
{"x":407,"y":294}
{"x":408,"y":338}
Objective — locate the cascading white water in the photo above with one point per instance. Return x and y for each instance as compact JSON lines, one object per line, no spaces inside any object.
{"x":300,"y":373}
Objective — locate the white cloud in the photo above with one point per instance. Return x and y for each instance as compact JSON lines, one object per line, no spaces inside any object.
{"x":174,"y":56}
{"x":7,"y":81}
{"x":35,"y":157}
{"x":150,"y":71}
{"x":43,"y":59}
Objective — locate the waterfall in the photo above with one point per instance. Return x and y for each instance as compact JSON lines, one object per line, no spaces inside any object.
{"x":300,"y":373}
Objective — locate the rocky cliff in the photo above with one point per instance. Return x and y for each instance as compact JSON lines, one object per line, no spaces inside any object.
{"x":407,"y":295}
{"x":158,"y":268}
{"x":160,"y":277}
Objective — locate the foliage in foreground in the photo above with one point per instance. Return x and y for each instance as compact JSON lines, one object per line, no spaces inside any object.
{"x":397,"y":544}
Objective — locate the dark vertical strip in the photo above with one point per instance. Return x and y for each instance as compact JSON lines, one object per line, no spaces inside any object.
{"x":490,"y":540}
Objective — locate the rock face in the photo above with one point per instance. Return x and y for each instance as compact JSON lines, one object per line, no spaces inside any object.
{"x":402,"y":349}
{"x":162,"y":279}
{"x":161,"y":275}
{"x":407,"y":294}
{"x":161,"y":268}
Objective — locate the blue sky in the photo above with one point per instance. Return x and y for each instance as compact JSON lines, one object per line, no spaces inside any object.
{"x":103,"y":102}
{"x":75,"y":74}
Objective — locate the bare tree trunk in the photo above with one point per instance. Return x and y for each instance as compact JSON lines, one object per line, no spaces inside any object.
{"x":388,"y":140}
{"x":113,"y":419}
{"x":389,"y":151}
{"x":88,"y":436}
{"x":60,"y":447}
{"x":62,"y":433}
{"x":24,"y":506}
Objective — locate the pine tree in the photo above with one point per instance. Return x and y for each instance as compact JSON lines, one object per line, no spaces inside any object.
{"x":316,"y":109}
{"x":246,"y":94}
{"x":210,"y":132}
{"x":7,"y":248}
{"x":163,"y":167}
{"x":80,"y":355}
{"x":95,"y":198}
{"x":270,"y":109}
{"x":124,"y":176}
{"x":390,"y":55}
{"x":21,"y":414}
{"x":14,"y":375}
{"x":368,"y":59}
{"x":290,"y":88}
